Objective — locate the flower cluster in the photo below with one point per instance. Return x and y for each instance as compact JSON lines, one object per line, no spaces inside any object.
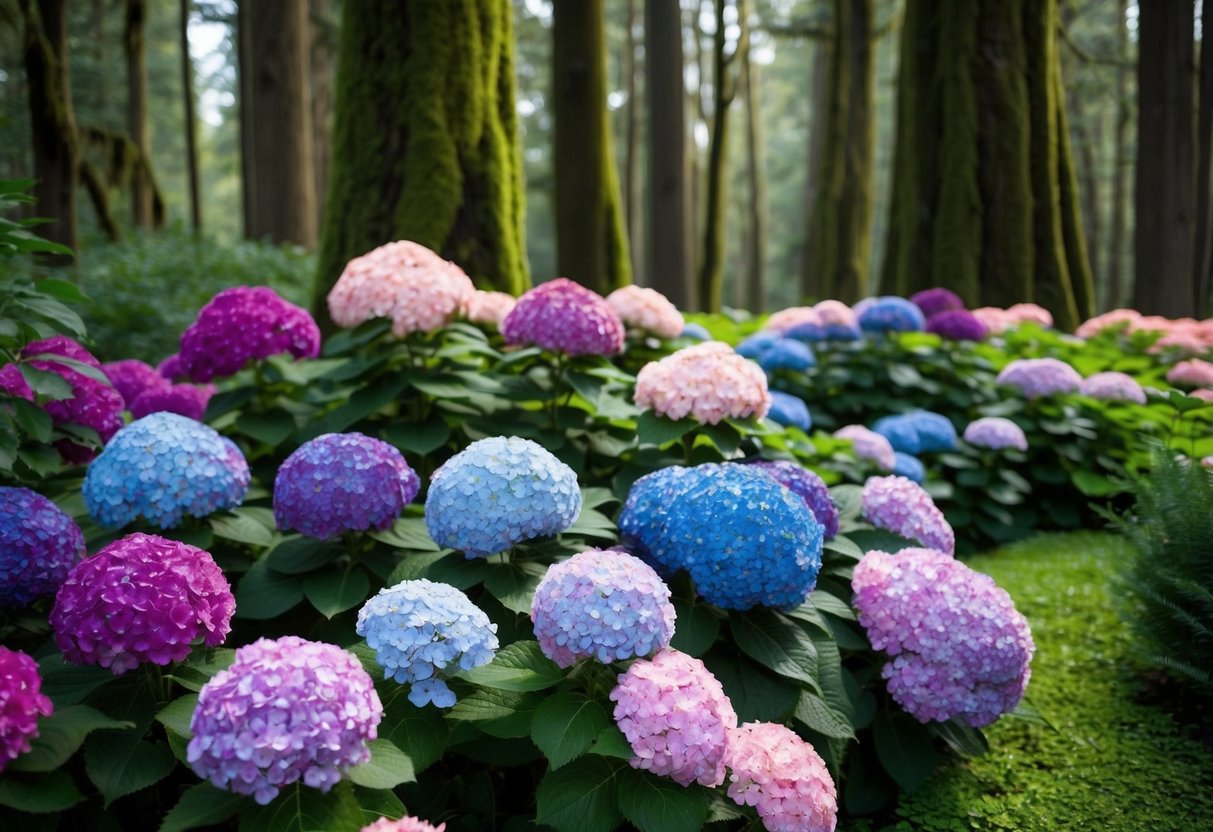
{"x":286,"y":709}
{"x":1036,"y":377}
{"x":131,"y":377}
{"x":917,"y":432}
{"x":342,"y":482}
{"x":910,"y":467}
{"x":243,"y":324}
{"x":14,"y":384}
{"x":93,"y":404}
{"x":839,"y":321}
{"x":869,"y":445}
{"x":803,"y":322}
{"x":806,"y":485}
{"x":900,"y":506}
{"x":21,"y":703}
{"x":606,"y":605}
{"x":957,"y":325}
{"x":189,"y":400}
{"x":1192,"y":373}
{"x":38,"y":545}
{"x":889,"y":313}
{"x":696,"y":332}
{"x":488,"y":307}
{"x":647,"y":310}
{"x":142,"y":598}
{"x":995,"y":433}
{"x":676,"y":717}
{"x":497,"y":492}
{"x":644,"y":511}
{"x":707,"y":382}
{"x":775,"y":352}
{"x":563,"y":316}
{"x":403,"y":281}
{"x":787,"y":409}
{"x":934,"y":301}
{"x":164,"y":466}
{"x":408,"y":824}
{"x":1113,"y":386}
{"x":782,"y":777}
{"x":170,"y":367}
{"x":958,"y":647}
{"x":420,"y":628}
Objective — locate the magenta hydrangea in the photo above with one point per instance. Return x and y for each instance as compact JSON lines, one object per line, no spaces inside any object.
{"x":131,"y":377}
{"x":22,"y":702}
{"x":996,"y":433}
{"x":608,"y":605}
{"x":243,"y":324}
{"x":869,"y":445}
{"x":782,"y":777}
{"x":936,"y":300}
{"x":14,"y":384}
{"x":957,"y":647}
{"x":409,"y":824}
{"x":92,"y":404}
{"x":286,"y":710}
{"x":1113,"y":386}
{"x":647,"y":310}
{"x":142,"y":598}
{"x":904,"y":508}
{"x":707,"y":382}
{"x":189,"y":400}
{"x":563,"y":316}
{"x":39,"y":543}
{"x":1037,"y":377}
{"x":676,"y":718}
{"x":957,"y":325}
{"x":170,"y":367}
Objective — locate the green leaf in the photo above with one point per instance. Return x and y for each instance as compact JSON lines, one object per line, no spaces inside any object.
{"x":407,"y":533}
{"x":519,"y":666}
{"x":848,"y":499}
{"x":963,"y":739}
{"x":242,"y":529}
{"x":68,"y":684}
{"x":387,"y":768}
{"x":60,"y":734}
{"x":652,"y":429}
{"x":655,"y":804}
{"x":362,"y":403}
{"x":264,"y":594}
{"x":813,"y":712}
{"x":41,"y":794}
{"x":268,"y":428}
{"x":579,"y":797}
{"x":904,"y":748}
{"x":298,"y":555}
{"x":823,"y":601}
{"x":32,"y":419}
{"x":124,"y":762}
{"x":757,"y":695}
{"x":565,"y":725}
{"x":419,"y":439}
{"x":695,"y":629}
{"x":302,"y":809}
{"x":421,"y":733}
{"x":45,"y":383}
{"x":879,"y":540}
{"x":202,"y":805}
{"x":513,"y":587}
{"x":335,"y":591}
{"x":777,"y":642}
{"x":60,"y":290}
{"x":1094,"y":485}
{"x":845,"y":547}
{"x":612,"y":743}
{"x":487,"y":704}
{"x":176,"y":715}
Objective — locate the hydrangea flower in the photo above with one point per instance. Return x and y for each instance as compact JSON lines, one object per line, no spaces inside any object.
{"x":563,"y":316}
{"x":170,"y":367}
{"x":917,"y":432}
{"x":606,"y":605}
{"x":93,"y":404}
{"x":957,"y":325}
{"x":243,"y":324}
{"x":995,"y":320}
{"x":802,"y":322}
{"x":189,"y":400}
{"x":779,"y":353}
{"x":808,"y":486}
{"x":1030,"y":313}
{"x":497,"y":492}
{"x":14,"y":384}
{"x":1113,"y":318}
{"x":707,"y":382}
{"x":1036,"y":377}
{"x":1113,"y":386}
{"x":676,"y":717}
{"x":421,"y":628}
{"x":910,"y":467}
{"x":342,"y":482}
{"x":642,"y":520}
{"x":696,"y":331}
{"x":408,"y":824}
{"x":787,"y":409}
{"x":902,"y":507}
{"x":164,"y":466}
{"x":647,"y":310}
{"x":21,"y":703}
{"x":934,"y":301}
{"x":1192,"y":373}
{"x":286,"y":710}
{"x":38,"y":545}
{"x":839,"y":321}
{"x":869,"y":445}
{"x":755,"y":345}
{"x":142,"y":598}
{"x":782,"y":777}
{"x":996,"y":433}
{"x":958,"y":648}
{"x":488,"y":308}
{"x":889,"y":313}
{"x":130,"y":377}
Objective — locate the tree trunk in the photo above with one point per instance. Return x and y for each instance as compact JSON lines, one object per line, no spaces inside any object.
{"x":1117,"y":291}
{"x":668,"y":254}
{"x":55,"y":144}
{"x":1203,"y":238}
{"x":323,"y":50}
{"x":631,"y":151}
{"x":425,"y":139}
{"x":191,"y":142}
{"x":1165,"y":193}
{"x":248,"y":144}
{"x":1082,"y":280}
{"x":756,"y":173}
{"x":1088,"y":142}
{"x":591,"y":247}
{"x":810,"y":281}
{"x":142,"y":192}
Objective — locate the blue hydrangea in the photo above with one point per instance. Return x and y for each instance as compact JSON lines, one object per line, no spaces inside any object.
{"x":163,"y":467}
{"x":641,"y":519}
{"x":841,"y":332}
{"x":787,"y":409}
{"x":808,"y":486}
{"x":756,"y":344}
{"x":498,"y":492}
{"x":889,"y":314}
{"x":39,"y":544}
{"x":775,"y":352}
{"x":918,"y":432}
{"x":697,"y":331}
{"x":342,"y":482}
{"x":418,"y":629}
{"x":910,"y":467}
{"x":806,"y":331}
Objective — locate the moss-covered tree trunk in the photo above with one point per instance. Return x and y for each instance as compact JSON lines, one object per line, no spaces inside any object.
{"x":756,"y":174}
{"x":425,"y":139}
{"x":142,"y":190}
{"x":984,"y":194}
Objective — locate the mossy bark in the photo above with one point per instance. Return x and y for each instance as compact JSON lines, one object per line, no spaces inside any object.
{"x":425,"y":140}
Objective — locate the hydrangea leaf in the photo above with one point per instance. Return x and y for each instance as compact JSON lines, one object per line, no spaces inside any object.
{"x":774,"y":641}
{"x":565,"y":725}
{"x":655,"y":804}
{"x":419,"y":732}
{"x":612,"y":743}
{"x":296,"y":555}
{"x":201,"y":805}
{"x":652,"y":429}
{"x":387,"y":768}
{"x":60,"y":734}
{"x":335,"y":591}
{"x":242,"y":529}
{"x":52,"y":792}
{"x":264,"y":594}
{"x":520,"y":666}
{"x":302,"y":809}
{"x":695,"y":629}
{"x":815,"y":714}
{"x":579,"y":797}
{"x":123,"y":763}
{"x":905,"y":749}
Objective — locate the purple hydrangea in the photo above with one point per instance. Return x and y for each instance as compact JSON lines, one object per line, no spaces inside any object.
{"x":782,"y":777}
{"x":562,"y":316}
{"x":889,"y":314}
{"x":38,"y":545}
{"x":14,"y":384}
{"x":902,"y":507}
{"x":142,"y":598}
{"x":1036,"y":377}
{"x":342,"y":482}
{"x":917,"y":432}
{"x":934,"y":301}
{"x":1113,"y":386}
{"x":958,"y":648}
{"x":497,"y":492}
{"x":808,"y":486}
{"x":789,"y":410}
{"x":607,"y":605}
{"x":957,"y":325}
{"x":869,"y":445}
{"x":170,"y":367}
{"x":244,"y":324}
{"x":676,"y":718}
{"x":910,"y":467}
{"x":92,"y":404}
{"x":21,"y":703}
{"x":286,"y":710}
{"x":131,"y":377}
{"x":996,"y":433}
{"x":189,"y":400}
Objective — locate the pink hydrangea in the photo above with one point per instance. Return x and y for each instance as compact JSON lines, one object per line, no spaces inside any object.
{"x":958,"y":648}
{"x":1194,"y":372}
{"x":142,"y":598}
{"x":1113,"y":386}
{"x":488,"y":307}
{"x":782,"y":777}
{"x":1202,"y":393}
{"x":1116,"y":317}
{"x":402,"y":281}
{"x":903,"y":507}
{"x":707,"y":382}
{"x":409,"y":824}
{"x":563,"y":316}
{"x":836,"y":312}
{"x":21,"y":703}
{"x":1037,"y":377}
{"x":870,"y":445}
{"x":676,"y":717}
{"x":131,"y":377}
{"x":1184,"y":342}
{"x":792,"y":318}
{"x":647,"y":310}
{"x":93,"y":404}
{"x":995,"y":320}
{"x":188,"y":400}
{"x":1024,"y":313}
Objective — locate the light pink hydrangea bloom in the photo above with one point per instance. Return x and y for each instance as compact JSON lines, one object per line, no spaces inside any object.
{"x":707,"y":382}
{"x":792,"y":317}
{"x":995,"y":320}
{"x":782,"y":777}
{"x":836,"y":312}
{"x":647,"y":310}
{"x":1113,"y":386}
{"x":1093,"y":326}
{"x":408,"y":824}
{"x":488,"y":307}
{"x":870,"y":445}
{"x":1023,"y":313}
{"x":1194,"y":372}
